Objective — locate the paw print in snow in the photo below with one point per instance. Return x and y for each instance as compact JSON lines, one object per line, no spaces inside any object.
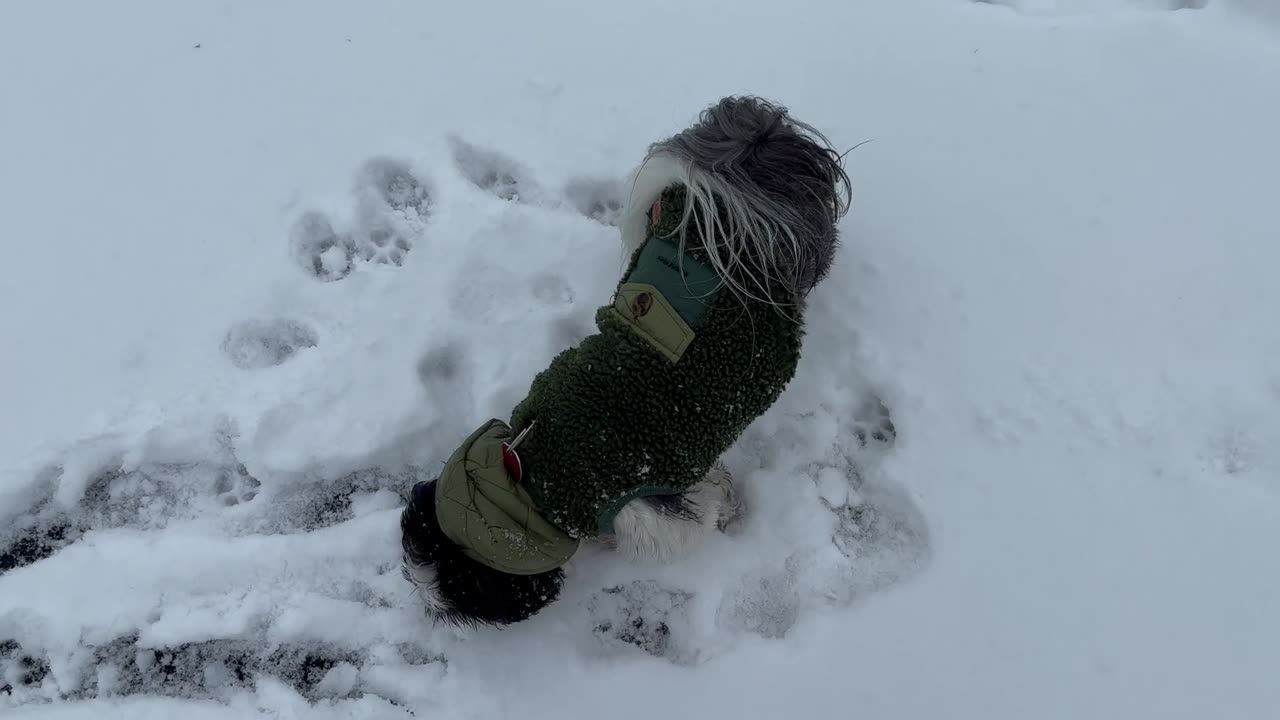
{"x":255,"y":344}
{"x":600,"y":200}
{"x":641,"y":614}
{"x":234,"y":486}
{"x":873,"y":422}
{"x":495,"y":172}
{"x":392,"y":206}
{"x":320,"y":250}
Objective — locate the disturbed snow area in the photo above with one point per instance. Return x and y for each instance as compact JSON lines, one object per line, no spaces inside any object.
{"x":271,"y":262}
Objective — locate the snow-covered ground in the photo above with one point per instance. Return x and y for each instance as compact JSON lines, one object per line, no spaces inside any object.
{"x":269,"y":262}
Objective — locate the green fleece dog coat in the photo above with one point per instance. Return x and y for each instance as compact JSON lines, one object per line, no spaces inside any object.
{"x":678,"y":370}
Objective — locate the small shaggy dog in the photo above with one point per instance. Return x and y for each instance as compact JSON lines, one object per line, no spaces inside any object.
{"x":729,"y":225}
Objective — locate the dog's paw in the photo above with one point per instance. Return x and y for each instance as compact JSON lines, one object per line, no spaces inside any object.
{"x":732,"y":508}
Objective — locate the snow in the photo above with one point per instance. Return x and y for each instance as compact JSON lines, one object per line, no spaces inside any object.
{"x":1058,"y":274}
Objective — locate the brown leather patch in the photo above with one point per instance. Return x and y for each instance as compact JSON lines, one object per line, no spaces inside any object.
{"x":642,"y":304}
{"x":648,"y":312}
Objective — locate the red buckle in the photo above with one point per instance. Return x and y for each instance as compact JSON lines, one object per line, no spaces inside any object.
{"x":511,"y":461}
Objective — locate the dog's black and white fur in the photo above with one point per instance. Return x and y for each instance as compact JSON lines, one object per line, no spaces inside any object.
{"x":783,"y":191}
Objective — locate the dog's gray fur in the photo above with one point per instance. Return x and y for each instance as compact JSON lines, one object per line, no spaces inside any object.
{"x":780,"y":184}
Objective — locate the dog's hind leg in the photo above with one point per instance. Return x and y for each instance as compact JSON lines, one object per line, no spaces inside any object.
{"x":719,"y":492}
{"x":668,"y":527}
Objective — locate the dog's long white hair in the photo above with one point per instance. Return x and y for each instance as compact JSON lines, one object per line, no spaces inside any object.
{"x":768,"y":192}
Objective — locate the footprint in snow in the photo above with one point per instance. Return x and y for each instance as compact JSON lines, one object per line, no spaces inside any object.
{"x":495,"y":172}
{"x":253,"y":344}
{"x":878,"y":534}
{"x":208,"y":670}
{"x":873,"y":424}
{"x":235,"y":486}
{"x":154,"y":494}
{"x":441,"y":364}
{"x":552,"y":289}
{"x":392,"y":206}
{"x":1239,"y":449}
{"x":880,"y":540}
{"x":764,"y":604}
{"x":601,"y":200}
{"x":319,"y":249}
{"x":148,"y":498}
{"x":644,"y":615}
{"x":504,"y":177}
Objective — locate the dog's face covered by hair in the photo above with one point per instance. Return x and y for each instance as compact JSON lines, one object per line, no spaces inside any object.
{"x":769,"y":192}
{"x":784,"y":184}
